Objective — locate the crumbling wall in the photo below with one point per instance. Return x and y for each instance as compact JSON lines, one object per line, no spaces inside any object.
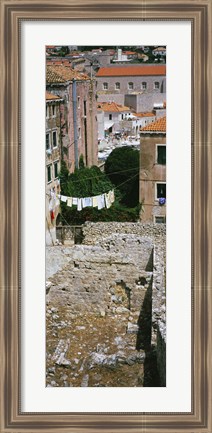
{"x":96,"y":232}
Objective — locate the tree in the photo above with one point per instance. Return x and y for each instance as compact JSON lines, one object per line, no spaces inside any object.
{"x":122,"y":168}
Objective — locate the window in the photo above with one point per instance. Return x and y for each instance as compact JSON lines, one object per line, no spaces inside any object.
{"x":144,"y":85}
{"x":110,"y":116}
{"x":47,"y":111}
{"x":105,"y":86}
{"x":49,"y":173}
{"x":130,"y":86}
{"x":79,"y":132}
{"x":47,"y":141}
{"x":85,"y":111}
{"x":161,"y":154}
{"x":156,"y":85}
{"x":56,"y":169}
{"x":54,"y":138}
{"x":117,"y":86}
{"x":78,"y":102}
{"x":160,"y":190}
{"x":53,"y":111}
{"x":160,"y":220}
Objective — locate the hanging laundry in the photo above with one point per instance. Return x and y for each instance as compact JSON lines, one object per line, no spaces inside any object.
{"x":95,"y":201}
{"x":112,"y":196}
{"x":51,"y":205}
{"x":101,"y":201}
{"x":63,"y":198}
{"x":79,"y":204}
{"x":69,"y":201}
{"x":74,"y":200}
{"x":52,"y":215}
{"x":107,"y":200}
{"x":87,"y":201}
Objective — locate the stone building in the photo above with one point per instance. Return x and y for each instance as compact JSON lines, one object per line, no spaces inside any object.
{"x":146,"y":101}
{"x":117,"y":82}
{"x":152,"y":180}
{"x":113,"y":115}
{"x":78,"y":113}
{"x":53,"y":161}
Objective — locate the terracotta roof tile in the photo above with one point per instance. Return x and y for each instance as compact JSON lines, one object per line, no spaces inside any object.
{"x":52,"y":76}
{"x":51,"y":97}
{"x":124,"y":71}
{"x":62,"y":73}
{"x":144,"y":114}
{"x":112,"y":106}
{"x":158,"y":126}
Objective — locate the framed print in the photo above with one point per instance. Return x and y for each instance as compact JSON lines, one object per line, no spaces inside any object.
{"x":91,"y":399}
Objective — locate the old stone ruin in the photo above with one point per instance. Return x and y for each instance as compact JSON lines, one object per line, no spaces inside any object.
{"x":105,"y":318}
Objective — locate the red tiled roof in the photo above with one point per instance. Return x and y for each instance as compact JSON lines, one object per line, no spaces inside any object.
{"x":144,"y":114}
{"x":124,"y":71}
{"x":112,"y":106}
{"x":158,"y":126}
{"x":51,"y":97}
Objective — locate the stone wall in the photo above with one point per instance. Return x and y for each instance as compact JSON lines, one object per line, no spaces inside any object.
{"x":159,"y":308}
{"x":117,"y":274}
{"x":97,"y":232}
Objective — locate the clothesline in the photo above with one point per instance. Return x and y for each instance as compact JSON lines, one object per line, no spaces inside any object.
{"x":100,"y":201}
{"x":97,"y":176}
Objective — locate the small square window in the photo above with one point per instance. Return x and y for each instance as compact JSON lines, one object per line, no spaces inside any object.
{"x":144,"y":85}
{"x":130,"y":86}
{"x":156,"y":85}
{"x":117,"y":86}
{"x":105,"y":86}
{"x":110,"y":116}
{"x":160,"y":220}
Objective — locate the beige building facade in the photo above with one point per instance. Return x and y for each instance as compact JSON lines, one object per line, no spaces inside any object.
{"x":152,"y":179}
{"x":53,"y":162}
{"x":78,"y":114}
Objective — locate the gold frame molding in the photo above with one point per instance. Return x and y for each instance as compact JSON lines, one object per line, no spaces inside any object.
{"x":200,"y":418}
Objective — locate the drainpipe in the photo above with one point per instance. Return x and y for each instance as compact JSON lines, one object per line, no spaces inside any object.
{"x":74,"y":94}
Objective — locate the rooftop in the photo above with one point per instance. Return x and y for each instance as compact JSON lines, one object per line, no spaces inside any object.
{"x":125,"y":71}
{"x":112,"y":106}
{"x":62,"y":73}
{"x":148,"y":114}
{"x":158,"y":126}
{"x":51,"y":97}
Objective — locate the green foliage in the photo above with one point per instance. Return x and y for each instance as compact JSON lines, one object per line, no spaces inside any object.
{"x":63,"y":51}
{"x":63,"y":175}
{"x":115,"y":213}
{"x":81,"y":162}
{"x":122,"y":168}
{"x":88,"y":182}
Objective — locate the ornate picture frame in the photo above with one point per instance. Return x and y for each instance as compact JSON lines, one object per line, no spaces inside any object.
{"x":199,"y":14}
